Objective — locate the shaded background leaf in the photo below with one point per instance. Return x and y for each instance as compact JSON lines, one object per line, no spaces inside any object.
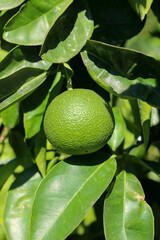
{"x":69,"y":191}
{"x":126,"y":214}
{"x":10,"y":116}
{"x":141,"y":7}
{"x":156,"y":8}
{"x":17,"y":155}
{"x":147,"y":41}
{"x":35,"y":105}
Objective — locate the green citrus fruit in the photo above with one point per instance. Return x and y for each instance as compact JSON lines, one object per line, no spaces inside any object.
{"x":78,"y":122}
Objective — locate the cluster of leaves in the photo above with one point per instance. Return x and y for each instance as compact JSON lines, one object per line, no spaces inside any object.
{"x":48,"y":195}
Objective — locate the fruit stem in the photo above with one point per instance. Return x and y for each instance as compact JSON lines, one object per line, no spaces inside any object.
{"x":69,"y":84}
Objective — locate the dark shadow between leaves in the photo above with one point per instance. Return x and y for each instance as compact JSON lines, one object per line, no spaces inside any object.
{"x":116,"y":21}
{"x":24,"y":177}
{"x":88,"y":159}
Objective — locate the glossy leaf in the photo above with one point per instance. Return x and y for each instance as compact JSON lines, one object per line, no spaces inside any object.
{"x":19,"y":66}
{"x":21,"y":72}
{"x":18,"y":204}
{"x":115,"y":21}
{"x":68,"y":35}
{"x":141,"y":7}
{"x":34,"y":20}
{"x":69,"y":190}
{"x":23,"y":91}
{"x":126,"y":214}
{"x":119,"y":130}
{"x":123,"y":72}
{"x":145,"y":114}
{"x":9,"y":4}
{"x":10,"y":116}
{"x":22,"y":57}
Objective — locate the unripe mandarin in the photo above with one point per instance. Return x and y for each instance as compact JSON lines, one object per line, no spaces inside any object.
{"x":78,"y":122}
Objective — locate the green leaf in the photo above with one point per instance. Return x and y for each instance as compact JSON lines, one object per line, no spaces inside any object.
{"x":18,"y":149}
{"x":6,"y":151}
{"x":9,"y":4}
{"x":119,"y":131}
{"x":40,"y":152}
{"x":126,"y":214}
{"x":21,"y":72}
{"x":123,"y":72}
{"x":18,"y":204}
{"x":130,"y":111}
{"x":19,"y":58}
{"x":33,"y":108}
{"x":69,"y":191}
{"x":19,"y":144}
{"x":23,"y":91}
{"x":34,"y":20}
{"x":7,"y":169}
{"x":35,"y":105}
{"x":145,"y":114}
{"x":141,"y":7}
{"x":67,"y":73}
{"x":3,"y":194}
{"x":10,"y":116}
{"x":68,"y":35}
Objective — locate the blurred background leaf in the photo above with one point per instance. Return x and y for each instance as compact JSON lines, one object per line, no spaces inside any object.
{"x":141,"y":7}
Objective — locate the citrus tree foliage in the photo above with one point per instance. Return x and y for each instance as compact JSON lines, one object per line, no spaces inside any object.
{"x":111,"y":47}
